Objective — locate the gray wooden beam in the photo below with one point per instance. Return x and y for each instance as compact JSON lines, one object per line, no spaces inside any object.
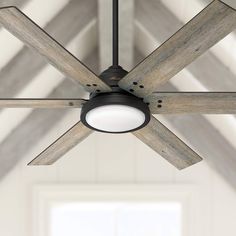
{"x":126,"y":33}
{"x":156,"y":19}
{"x":64,"y":27}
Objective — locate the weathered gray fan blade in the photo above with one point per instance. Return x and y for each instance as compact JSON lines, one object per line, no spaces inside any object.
{"x":41,"y":103}
{"x":62,"y":145}
{"x":32,"y":35}
{"x":168,"y":145}
{"x":192,"y":103}
{"x":206,"y":29}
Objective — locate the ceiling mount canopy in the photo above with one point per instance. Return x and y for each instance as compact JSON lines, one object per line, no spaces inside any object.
{"x":122,"y":101}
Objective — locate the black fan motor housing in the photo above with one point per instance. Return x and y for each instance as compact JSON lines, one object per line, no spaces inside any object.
{"x":115,"y":98}
{"x":118,"y":96}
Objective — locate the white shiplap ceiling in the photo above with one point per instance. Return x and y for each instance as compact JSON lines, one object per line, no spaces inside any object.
{"x":148,"y":24}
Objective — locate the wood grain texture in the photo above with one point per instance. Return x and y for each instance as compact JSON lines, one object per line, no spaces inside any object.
{"x":168,"y":145}
{"x":17,"y":3}
{"x":192,"y":103}
{"x":202,"y":32}
{"x":41,"y":103}
{"x":231,"y":3}
{"x":207,"y":140}
{"x":32,"y":35}
{"x":14,"y":148}
{"x":62,"y":145}
{"x":209,"y":70}
{"x":161,"y":23}
{"x":17,"y":74}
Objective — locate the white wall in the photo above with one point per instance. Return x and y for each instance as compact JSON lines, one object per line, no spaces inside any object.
{"x":113,"y":159}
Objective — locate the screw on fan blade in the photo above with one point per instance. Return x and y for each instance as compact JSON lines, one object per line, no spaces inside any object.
{"x":192,"y":103}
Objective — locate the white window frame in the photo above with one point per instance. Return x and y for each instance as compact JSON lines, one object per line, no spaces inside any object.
{"x":44,"y":197}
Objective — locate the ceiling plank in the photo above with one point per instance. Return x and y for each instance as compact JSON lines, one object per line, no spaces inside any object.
{"x":126,"y":34}
{"x":72,"y":19}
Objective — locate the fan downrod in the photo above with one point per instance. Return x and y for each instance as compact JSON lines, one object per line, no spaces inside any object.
{"x":117,"y":111}
{"x":114,"y":73}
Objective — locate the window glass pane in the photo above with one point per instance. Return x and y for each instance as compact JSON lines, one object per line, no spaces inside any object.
{"x":116,"y":219}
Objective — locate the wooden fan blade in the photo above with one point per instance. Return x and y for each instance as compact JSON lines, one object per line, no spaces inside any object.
{"x":206,"y":29}
{"x":41,"y":103}
{"x":32,"y":35}
{"x":167,"y":144}
{"x":62,"y":145}
{"x":192,"y":103}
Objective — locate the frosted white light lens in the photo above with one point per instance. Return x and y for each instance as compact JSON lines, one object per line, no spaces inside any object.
{"x":115,"y":118}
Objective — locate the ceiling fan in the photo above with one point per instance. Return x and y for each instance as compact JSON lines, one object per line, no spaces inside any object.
{"x":123,"y":102}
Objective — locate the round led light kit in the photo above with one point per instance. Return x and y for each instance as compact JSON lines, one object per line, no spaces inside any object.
{"x":115,"y":113}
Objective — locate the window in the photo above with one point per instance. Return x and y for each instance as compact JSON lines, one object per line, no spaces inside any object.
{"x":116,"y":219}
{"x":106,"y":210}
